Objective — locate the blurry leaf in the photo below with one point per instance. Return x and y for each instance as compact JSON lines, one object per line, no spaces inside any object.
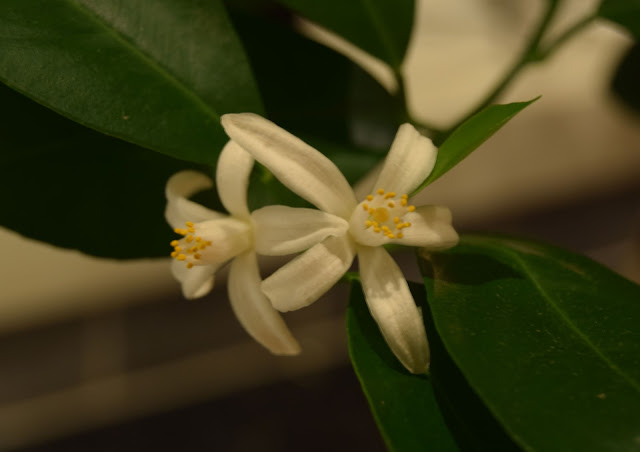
{"x":548,"y":339}
{"x":470,"y":135}
{"x":625,"y":81}
{"x":76,"y":188}
{"x":312,"y":91}
{"x":158,"y":73}
{"x":403,"y":404}
{"x":379,"y":27}
{"x":623,"y":12}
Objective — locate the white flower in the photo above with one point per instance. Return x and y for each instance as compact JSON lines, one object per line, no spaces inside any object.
{"x":347,"y":227}
{"x":210,"y":239}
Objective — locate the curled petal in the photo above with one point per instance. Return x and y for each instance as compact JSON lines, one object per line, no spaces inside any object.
{"x":197,"y":281}
{"x":254,"y":311}
{"x":281,"y":230}
{"x":179,"y":209}
{"x":393,"y":308}
{"x":297,"y":165}
{"x":232,"y":179}
{"x":409,"y":162}
{"x":221,"y":240}
{"x":430,"y":227}
{"x":303,"y":280}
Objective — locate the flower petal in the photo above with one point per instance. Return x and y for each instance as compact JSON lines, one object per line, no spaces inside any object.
{"x":253,"y":309}
{"x":392,"y":306}
{"x":281,"y":230}
{"x":228,"y":238}
{"x":430,"y":228}
{"x":303,"y":280}
{"x":232,"y":179}
{"x":179,"y":209}
{"x":296,"y":164}
{"x":197,"y":281}
{"x":409,"y":162}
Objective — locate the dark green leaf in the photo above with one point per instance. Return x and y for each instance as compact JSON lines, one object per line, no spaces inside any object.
{"x":311,"y":90}
{"x":470,"y":135}
{"x":76,"y":188}
{"x":625,"y":81}
{"x":403,"y":404}
{"x":623,"y":12}
{"x":158,"y":73}
{"x":549,"y":340}
{"x":380,"y":27}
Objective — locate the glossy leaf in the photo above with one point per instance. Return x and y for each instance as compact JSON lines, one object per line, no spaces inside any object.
{"x":470,"y":135}
{"x":379,"y":27}
{"x":76,"y":188}
{"x":403,"y":404}
{"x":158,"y":73}
{"x":549,"y":340}
{"x":623,"y":12}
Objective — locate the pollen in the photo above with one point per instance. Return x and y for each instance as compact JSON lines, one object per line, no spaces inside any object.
{"x":184,"y":249}
{"x":386,"y":213}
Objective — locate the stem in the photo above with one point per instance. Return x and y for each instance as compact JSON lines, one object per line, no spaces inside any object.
{"x":529,"y":54}
{"x":568,"y":34}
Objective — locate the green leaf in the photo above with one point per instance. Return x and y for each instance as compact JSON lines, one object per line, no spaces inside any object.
{"x":625,"y":80}
{"x":470,"y":135}
{"x":549,"y":340}
{"x":76,"y":188}
{"x":312,"y":91}
{"x":158,"y":73}
{"x":403,"y":404}
{"x":379,"y":27}
{"x":623,"y":12}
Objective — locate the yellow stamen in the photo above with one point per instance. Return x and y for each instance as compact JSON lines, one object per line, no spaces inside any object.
{"x":371,"y":210}
{"x":400,"y":235}
{"x":174,"y":243}
{"x":174,"y":253}
{"x":196,"y":256}
{"x":189,"y":224}
{"x":391,"y":194}
{"x":411,"y":208}
{"x":368,"y":223}
{"x":403,"y":202}
{"x":178,"y":248}
{"x":396,"y":220}
{"x":391,"y":204}
{"x":365,"y":206}
{"x":181,"y":257}
{"x":189,"y":265}
{"x":380,"y":191}
{"x":189,"y":238}
{"x":369,"y":197}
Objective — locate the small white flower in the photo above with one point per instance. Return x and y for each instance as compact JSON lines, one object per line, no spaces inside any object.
{"x":210,"y":239}
{"x":346,"y":227}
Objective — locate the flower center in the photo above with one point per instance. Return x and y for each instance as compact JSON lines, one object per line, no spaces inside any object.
{"x":190,"y":247}
{"x":386,"y":213}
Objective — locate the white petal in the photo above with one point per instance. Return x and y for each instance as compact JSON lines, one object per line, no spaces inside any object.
{"x":232,"y":179}
{"x":392,"y":306}
{"x":430,"y":228}
{"x":179,"y":209}
{"x":196,"y":281}
{"x":281,"y":230}
{"x":296,"y":164}
{"x":409,"y":162}
{"x":254,"y":311}
{"x":303,"y":280}
{"x":229,"y":237}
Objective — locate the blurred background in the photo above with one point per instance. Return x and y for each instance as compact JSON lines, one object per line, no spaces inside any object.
{"x":108,"y":355}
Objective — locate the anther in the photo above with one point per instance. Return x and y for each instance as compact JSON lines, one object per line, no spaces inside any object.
{"x":400,"y":235}
{"x":365,"y":206}
{"x":369,"y":197}
{"x":371,"y":210}
{"x":178,"y":248}
{"x":189,"y":238}
{"x":181,"y":257}
{"x":411,"y":208}
{"x":396,"y":220}
{"x":368,"y":223}
{"x":174,"y":243}
{"x":380,"y":191}
{"x":391,"y":204}
{"x":191,"y":229}
{"x":189,"y":265}
{"x":391,"y":194}
{"x":189,"y":224}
